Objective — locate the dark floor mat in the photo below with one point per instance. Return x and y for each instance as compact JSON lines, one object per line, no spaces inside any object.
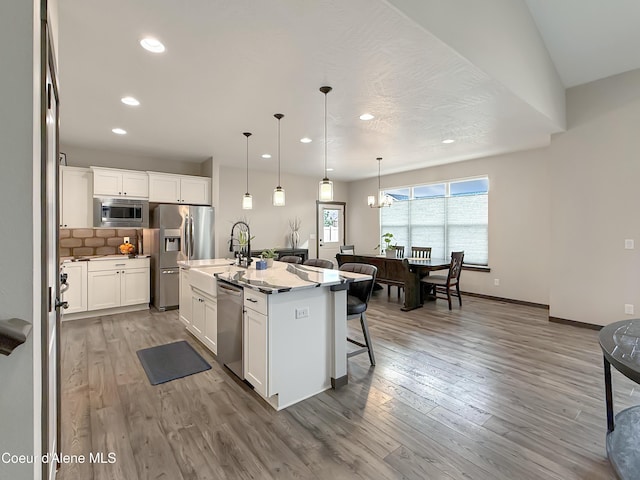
{"x":169,"y":362}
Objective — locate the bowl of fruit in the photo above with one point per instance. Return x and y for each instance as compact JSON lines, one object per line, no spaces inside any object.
{"x":127,"y":249}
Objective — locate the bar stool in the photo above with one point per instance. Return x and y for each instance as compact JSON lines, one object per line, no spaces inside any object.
{"x":290,"y":259}
{"x":319,"y":262}
{"x":357,"y":301}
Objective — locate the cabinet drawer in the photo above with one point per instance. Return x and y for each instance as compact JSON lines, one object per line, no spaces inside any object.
{"x":256,"y":301}
{"x":117,"y":264}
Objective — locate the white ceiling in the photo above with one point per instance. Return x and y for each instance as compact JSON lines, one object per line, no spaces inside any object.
{"x":229,"y":66}
{"x":589,"y":39}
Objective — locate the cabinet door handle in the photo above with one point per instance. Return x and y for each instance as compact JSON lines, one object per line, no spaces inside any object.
{"x":120,"y":264}
{"x":252,"y":300}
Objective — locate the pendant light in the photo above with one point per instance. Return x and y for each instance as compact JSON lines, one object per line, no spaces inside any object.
{"x":278,"y":192}
{"x":325,"y":192}
{"x":247,"y":200}
{"x":383,"y":199}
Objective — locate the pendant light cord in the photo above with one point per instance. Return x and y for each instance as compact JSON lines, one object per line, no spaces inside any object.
{"x":247,"y":134}
{"x":279,"y":152}
{"x":325,"y":135}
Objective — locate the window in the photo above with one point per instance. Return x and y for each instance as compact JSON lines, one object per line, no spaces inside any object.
{"x":446,"y":216}
{"x":331,"y":225}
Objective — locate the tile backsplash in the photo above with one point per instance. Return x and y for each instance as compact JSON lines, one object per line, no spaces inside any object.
{"x":96,"y":241}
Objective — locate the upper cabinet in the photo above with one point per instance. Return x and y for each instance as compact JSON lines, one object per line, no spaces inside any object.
{"x":75,"y":197}
{"x":170,"y":188}
{"x":111,"y":182}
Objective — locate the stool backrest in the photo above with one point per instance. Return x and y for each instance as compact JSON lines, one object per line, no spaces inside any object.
{"x":290,"y":259}
{"x":421,"y":252}
{"x":319,"y":262}
{"x":361,"y":290}
{"x":350,"y":249}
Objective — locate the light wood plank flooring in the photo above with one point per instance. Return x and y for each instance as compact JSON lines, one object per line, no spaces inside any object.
{"x":489,"y":391}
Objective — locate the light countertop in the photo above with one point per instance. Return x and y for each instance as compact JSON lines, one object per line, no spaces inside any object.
{"x":285,"y":277}
{"x":210,"y":262}
{"x":92,"y":258}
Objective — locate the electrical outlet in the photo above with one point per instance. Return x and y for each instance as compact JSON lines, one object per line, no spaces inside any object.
{"x":496,"y":282}
{"x":302,"y":312}
{"x":628,"y":309}
{"x":629,"y":244}
{"x":126,"y":239}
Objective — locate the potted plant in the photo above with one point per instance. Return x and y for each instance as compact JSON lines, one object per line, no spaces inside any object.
{"x":389,"y":250}
{"x":269,"y":255}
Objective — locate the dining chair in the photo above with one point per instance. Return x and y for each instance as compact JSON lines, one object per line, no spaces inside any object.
{"x":319,"y":262}
{"x":347,"y":249}
{"x":399,"y":251}
{"x":290,"y":259}
{"x":358,"y":297}
{"x":443,"y":285}
{"x":420,"y":252}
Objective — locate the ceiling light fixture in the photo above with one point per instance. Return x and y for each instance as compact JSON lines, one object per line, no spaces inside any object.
{"x":152,"y":45}
{"x":306,"y":140}
{"x":119,"y":131}
{"x":325,"y":192}
{"x":278,"y":192}
{"x":384,"y":200}
{"x":132,"y":102}
{"x":366,"y":116}
{"x":247,"y":200}
{"x":448,"y":140}
{"x":266,"y":155}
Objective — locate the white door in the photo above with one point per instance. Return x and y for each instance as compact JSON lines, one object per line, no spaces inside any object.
{"x":134,"y":286}
{"x":211,"y":324}
{"x":330,"y":229}
{"x":107,"y":182}
{"x":185,"y":297}
{"x":256,"y":350}
{"x":51,"y":275}
{"x":164,"y":188}
{"x":195,"y":191}
{"x":76,"y":295}
{"x":76,"y":186}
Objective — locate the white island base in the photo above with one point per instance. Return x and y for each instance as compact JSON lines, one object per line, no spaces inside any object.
{"x":289,"y":352}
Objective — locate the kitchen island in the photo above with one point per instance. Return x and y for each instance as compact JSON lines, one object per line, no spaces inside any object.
{"x":294,"y":328}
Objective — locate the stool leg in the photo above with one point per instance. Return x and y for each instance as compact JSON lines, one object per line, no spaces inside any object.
{"x":367,"y":339}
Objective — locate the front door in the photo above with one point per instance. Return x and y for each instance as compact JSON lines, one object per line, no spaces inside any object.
{"x":330,"y":229}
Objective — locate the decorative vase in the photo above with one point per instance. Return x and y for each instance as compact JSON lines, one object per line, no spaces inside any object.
{"x":269,"y":262}
{"x":390,"y":252}
{"x":295,"y":238}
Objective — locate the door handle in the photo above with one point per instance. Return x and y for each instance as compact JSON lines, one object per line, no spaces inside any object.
{"x":60,"y":304}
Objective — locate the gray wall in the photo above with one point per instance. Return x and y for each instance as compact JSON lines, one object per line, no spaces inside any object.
{"x":17,"y":178}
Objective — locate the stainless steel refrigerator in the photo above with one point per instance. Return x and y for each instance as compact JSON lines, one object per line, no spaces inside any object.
{"x":179,"y":232}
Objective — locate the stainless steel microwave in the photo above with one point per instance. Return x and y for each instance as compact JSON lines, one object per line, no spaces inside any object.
{"x":120,"y":213}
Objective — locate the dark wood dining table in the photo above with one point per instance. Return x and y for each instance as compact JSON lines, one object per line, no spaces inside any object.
{"x":407,"y":271}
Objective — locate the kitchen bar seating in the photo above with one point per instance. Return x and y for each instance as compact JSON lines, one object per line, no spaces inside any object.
{"x":290,"y":259}
{"x":357,"y":302}
{"x":319,"y":262}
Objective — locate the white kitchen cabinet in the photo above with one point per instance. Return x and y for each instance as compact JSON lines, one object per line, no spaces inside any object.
{"x":204,"y":319}
{"x":117,"y":283}
{"x":76,"y":187}
{"x":134,"y":286}
{"x":255,"y":341}
{"x":111,"y":182}
{"x":168,"y":188}
{"x":76,"y":294}
{"x":103,"y":289}
{"x":185,"y":297}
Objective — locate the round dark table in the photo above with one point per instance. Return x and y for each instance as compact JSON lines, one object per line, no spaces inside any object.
{"x":620,"y":343}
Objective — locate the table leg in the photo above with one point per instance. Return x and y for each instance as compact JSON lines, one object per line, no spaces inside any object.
{"x":608,"y":395}
{"x":411,"y":292}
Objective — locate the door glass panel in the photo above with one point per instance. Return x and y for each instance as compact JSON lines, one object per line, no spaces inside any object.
{"x":331,"y":230}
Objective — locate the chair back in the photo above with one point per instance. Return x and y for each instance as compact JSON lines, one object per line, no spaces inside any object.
{"x":290,"y":259}
{"x":319,"y":262}
{"x":455,"y":269}
{"x":361,"y":290}
{"x":350,"y":249}
{"x":399,"y":251}
{"x":421,"y":252}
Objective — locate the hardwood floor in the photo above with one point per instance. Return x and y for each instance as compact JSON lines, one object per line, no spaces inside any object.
{"x":489,"y":391}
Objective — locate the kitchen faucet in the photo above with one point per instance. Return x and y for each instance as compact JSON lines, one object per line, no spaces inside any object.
{"x":247,"y":259}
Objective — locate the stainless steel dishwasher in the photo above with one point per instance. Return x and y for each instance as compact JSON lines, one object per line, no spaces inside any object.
{"x":230,"y":306}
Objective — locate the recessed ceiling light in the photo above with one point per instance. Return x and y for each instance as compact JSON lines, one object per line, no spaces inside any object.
{"x":130,"y":101}
{"x":329,"y":169}
{"x":119,"y":131}
{"x":152,"y":44}
{"x":366,"y":116}
{"x":266,"y":155}
{"x":306,"y":140}
{"x":448,"y":140}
